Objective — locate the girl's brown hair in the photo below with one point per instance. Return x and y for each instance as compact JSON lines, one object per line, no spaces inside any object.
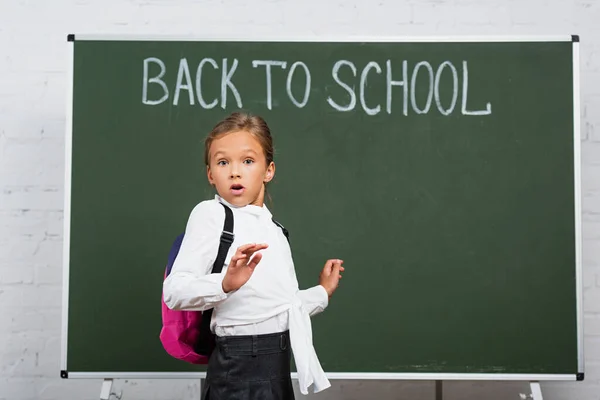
{"x":240,"y":121}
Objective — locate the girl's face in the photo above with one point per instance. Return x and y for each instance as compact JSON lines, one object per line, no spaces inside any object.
{"x":238,"y":168}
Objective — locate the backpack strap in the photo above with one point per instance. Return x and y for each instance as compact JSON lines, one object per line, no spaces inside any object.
{"x":225,"y":242}
{"x":206,"y":339}
{"x":285,"y":231}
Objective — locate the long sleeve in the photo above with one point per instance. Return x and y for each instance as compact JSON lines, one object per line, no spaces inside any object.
{"x":190,"y":286}
{"x":314,"y":299}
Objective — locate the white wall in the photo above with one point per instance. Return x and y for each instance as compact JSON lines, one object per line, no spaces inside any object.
{"x":33,"y":51}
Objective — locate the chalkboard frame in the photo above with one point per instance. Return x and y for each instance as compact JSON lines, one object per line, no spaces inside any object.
{"x":65,"y":373}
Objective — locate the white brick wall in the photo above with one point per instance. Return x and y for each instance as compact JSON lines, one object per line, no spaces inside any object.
{"x":32,"y":121}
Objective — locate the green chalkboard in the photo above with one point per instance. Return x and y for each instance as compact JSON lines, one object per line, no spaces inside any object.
{"x":442,"y":172}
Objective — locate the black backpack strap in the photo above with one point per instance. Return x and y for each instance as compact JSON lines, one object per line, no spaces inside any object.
{"x":206,"y":339}
{"x":226,"y":240}
{"x":285,"y":231}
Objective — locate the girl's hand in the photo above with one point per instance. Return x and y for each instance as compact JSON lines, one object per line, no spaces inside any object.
{"x":242,"y":266}
{"x":331,"y":275}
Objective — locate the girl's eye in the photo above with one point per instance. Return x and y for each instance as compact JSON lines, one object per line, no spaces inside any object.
{"x":222,"y":162}
{"x":248,"y":161}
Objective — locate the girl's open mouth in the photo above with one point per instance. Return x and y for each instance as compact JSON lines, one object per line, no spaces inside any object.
{"x":237,"y":189}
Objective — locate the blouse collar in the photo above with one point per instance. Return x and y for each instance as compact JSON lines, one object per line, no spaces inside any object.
{"x":250,"y":208}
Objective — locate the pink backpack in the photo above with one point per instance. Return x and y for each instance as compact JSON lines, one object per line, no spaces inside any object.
{"x":186,"y":335}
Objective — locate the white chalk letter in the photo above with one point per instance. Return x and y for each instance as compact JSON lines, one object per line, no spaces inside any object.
{"x":288,"y":85}
{"x":267,"y":64}
{"x":201,"y":100}
{"x":183,"y":69}
{"x":436,"y":94}
{"x":390,"y":83}
{"x":413,"y":96}
{"x":156,"y":79}
{"x":363,"y":83}
{"x":226,"y":83}
{"x":488,"y":107}
{"x":350,"y":90}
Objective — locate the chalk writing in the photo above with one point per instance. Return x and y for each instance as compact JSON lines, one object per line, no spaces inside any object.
{"x":350,"y":87}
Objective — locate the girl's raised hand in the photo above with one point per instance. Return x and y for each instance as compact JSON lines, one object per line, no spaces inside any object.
{"x":331,"y":275}
{"x":242,"y":266}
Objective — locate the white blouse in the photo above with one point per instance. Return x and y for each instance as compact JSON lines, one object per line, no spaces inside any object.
{"x":269,"y":302}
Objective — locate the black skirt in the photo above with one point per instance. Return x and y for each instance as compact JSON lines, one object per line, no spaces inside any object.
{"x":250,"y":368}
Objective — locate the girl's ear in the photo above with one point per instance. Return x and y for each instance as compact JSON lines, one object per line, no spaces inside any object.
{"x":209,"y":176}
{"x":270,"y":172}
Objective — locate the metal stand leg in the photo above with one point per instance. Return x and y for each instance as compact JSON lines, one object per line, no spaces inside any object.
{"x":106,"y":389}
{"x":439,"y":390}
{"x":536,"y":391}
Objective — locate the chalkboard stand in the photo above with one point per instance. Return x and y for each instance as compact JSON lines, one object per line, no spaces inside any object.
{"x":106,"y":390}
{"x":536,"y":391}
{"x":439,"y":390}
